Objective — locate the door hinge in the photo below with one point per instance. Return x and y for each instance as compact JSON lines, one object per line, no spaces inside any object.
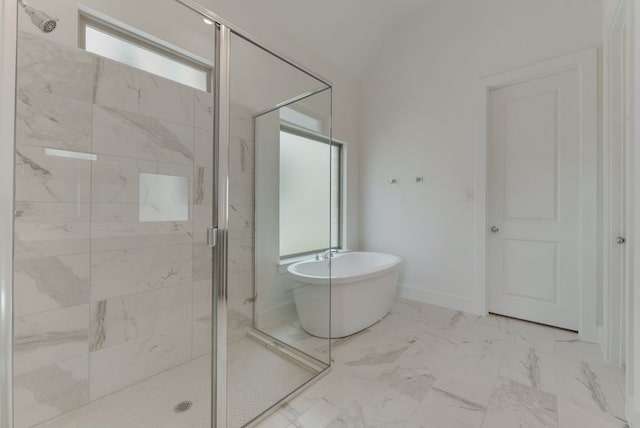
{"x":212,"y":236}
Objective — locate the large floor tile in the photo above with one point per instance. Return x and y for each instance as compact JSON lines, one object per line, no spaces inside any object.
{"x":590,"y":385}
{"x":572,"y":415}
{"x":531,"y":366}
{"x":517,"y":405}
{"x":444,"y":409}
{"x":370,"y":354}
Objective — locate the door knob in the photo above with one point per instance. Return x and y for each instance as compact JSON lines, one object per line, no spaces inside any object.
{"x":621,"y":240}
{"x":494,"y":229}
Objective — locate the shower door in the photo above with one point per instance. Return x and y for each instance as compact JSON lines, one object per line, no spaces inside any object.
{"x":277,"y":199}
{"x":113,"y":178}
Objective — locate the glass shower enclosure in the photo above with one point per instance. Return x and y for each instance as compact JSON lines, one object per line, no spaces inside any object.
{"x":162,"y":188}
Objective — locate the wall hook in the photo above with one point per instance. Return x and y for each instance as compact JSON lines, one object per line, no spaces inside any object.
{"x":393,"y":181}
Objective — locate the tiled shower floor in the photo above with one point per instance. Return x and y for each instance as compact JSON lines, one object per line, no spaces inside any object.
{"x":258,"y":377}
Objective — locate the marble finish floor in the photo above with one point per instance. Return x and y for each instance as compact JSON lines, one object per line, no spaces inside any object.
{"x":290,"y":332}
{"x":258,"y":377}
{"x":426,"y":366}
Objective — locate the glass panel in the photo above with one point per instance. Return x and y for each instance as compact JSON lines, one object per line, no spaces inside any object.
{"x":113,"y":196}
{"x":336,"y":195}
{"x":269,"y":351}
{"x":304,"y":192}
{"x":107,"y":45}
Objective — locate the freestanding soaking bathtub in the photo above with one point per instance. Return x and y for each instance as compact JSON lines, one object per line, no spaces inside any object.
{"x":363,"y":286}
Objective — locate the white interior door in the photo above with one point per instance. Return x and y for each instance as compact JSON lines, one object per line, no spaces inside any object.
{"x":534,"y":199}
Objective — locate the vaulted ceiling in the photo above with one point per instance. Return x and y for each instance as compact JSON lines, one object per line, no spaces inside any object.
{"x":346,"y":33}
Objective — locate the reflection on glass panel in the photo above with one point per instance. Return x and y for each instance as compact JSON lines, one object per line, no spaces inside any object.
{"x":164,"y":197}
{"x":69,"y":154}
{"x":110,"y":46}
{"x":290,"y":115}
{"x":304,"y":194}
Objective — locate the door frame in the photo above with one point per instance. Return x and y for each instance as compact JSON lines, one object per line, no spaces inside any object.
{"x":585,"y":62}
{"x":632,"y":372}
{"x":615,"y":297}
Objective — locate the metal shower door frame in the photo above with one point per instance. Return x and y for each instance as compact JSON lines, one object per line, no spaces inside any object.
{"x":221,"y":225}
{"x":8,"y":54}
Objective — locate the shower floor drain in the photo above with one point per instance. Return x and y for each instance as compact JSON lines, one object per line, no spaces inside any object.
{"x":183,"y":406}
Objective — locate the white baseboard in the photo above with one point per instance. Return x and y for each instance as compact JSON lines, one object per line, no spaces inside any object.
{"x":602,"y":341}
{"x":632,"y":410}
{"x":458,"y":303}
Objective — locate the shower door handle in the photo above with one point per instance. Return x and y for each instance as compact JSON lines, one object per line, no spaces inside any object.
{"x":212,"y":236}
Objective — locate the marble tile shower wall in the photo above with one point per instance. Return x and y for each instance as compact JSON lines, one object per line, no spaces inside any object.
{"x":112,"y":273}
{"x":241,"y":222}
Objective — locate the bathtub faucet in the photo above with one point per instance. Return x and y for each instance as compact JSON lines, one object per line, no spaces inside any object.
{"x":330,"y":253}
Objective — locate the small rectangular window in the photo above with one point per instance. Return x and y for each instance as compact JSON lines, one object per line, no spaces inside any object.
{"x":305,"y":190}
{"x":119,"y":45}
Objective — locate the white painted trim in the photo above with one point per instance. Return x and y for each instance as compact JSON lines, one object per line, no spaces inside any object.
{"x":604,"y":336}
{"x":586,"y":62}
{"x":451,"y":301}
{"x":632,"y":412}
{"x":633,"y":329}
{"x":481,"y":292}
{"x":344,"y":199}
{"x":8,"y":34}
{"x":615,"y":301}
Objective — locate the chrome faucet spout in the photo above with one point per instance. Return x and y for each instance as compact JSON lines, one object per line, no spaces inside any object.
{"x":330,"y":253}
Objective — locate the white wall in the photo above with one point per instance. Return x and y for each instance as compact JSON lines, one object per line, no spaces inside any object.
{"x":418,"y":118}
